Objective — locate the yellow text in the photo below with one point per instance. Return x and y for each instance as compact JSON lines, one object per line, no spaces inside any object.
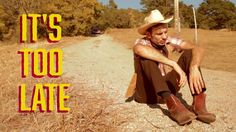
{"x":44,"y":98}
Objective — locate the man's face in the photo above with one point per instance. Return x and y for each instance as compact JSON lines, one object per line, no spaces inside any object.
{"x":158,"y":34}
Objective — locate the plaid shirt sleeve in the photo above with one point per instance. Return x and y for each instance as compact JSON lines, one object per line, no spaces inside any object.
{"x":142,"y":41}
{"x":175,"y":42}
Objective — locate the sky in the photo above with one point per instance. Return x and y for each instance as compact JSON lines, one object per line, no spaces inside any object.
{"x":136,"y":3}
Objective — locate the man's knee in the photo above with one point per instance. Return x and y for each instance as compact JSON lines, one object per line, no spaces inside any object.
{"x":185,"y":60}
{"x":187,"y":53}
{"x":151,"y":70}
{"x":146,"y":63}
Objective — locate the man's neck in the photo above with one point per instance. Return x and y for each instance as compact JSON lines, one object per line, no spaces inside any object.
{"x":159,"y":47}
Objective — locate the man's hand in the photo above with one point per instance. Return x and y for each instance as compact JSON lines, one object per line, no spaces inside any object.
{"x":195,"y":80}
{"x":182,"y":75}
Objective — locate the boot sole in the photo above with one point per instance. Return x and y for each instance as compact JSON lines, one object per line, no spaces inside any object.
{"x":187,"y":121}
{"x":206,"y":118}
{"x":184,"y":122}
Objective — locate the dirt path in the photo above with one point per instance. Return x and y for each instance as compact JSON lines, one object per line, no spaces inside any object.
{"x":104,"y":65}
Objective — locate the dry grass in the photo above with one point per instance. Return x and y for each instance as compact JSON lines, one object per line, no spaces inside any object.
{"x":220,"y":45}
{"x":88,"y":108}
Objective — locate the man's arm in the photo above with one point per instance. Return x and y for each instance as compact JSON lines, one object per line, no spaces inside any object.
{"x":197,"y":53}
{"x":195,"y":78}
{"x":149,"y":52}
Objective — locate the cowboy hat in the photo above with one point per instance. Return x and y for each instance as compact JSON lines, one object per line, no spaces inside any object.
{"x":155,"y":17}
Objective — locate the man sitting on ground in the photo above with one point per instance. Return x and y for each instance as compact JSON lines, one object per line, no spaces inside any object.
{"x":154,"y":84}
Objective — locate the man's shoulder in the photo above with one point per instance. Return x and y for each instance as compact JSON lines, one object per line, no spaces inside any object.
{"x":142,"y":41}
{"x":174,"y":40}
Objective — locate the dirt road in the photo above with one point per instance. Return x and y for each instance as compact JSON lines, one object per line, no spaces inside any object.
{"x":103,"y":65}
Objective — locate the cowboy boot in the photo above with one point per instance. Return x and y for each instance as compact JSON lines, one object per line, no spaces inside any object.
{"x":199,"y":108}
{"x":178,"y":111}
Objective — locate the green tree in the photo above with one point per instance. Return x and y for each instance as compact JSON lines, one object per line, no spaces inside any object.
{"x":166,"y":7}
{"x":9,"y":12}
{"x":135,"y":17}
{"x":112,"y":17}
{"x":186,"y":15}
{"x":78,"y":16}
{"x":112,"y":4}
{"x":217,"y":14}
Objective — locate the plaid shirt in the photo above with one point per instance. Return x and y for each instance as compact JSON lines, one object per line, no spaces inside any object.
{"x":174,"y":42}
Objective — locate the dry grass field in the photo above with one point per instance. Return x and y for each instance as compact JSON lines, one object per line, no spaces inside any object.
{"x":220,"y":46}
{"x":91,"y":110}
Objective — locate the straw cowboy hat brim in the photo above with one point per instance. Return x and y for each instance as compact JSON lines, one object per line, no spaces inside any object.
{"x":155,"y":17}
{"x":143,"y":29}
